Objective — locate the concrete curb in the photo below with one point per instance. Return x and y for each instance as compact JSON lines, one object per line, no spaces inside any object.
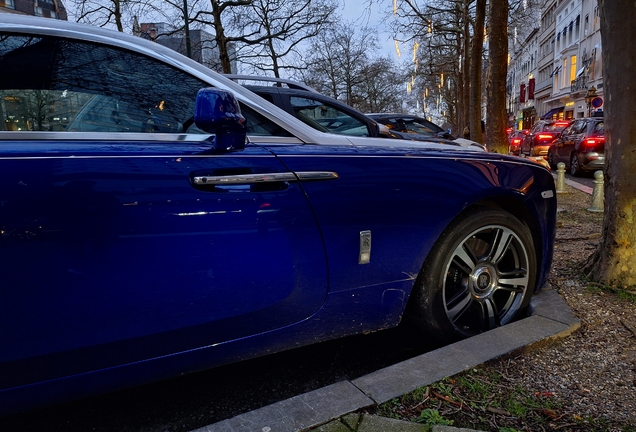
{"x":551,"y":318}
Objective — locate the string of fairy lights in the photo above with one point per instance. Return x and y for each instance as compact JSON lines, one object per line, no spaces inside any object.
{"x":415,"y":61}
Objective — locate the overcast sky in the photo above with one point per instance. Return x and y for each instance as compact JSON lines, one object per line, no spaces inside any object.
{"x":375,"y":17}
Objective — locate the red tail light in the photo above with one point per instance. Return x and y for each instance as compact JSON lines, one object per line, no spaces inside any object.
{"x":516,"y":140}
{"x":594,"y":141}
{"x":544,"y":137}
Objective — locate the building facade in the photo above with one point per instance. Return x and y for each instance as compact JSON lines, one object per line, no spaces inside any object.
{"x":202,"y":44}
{"x":43,"y":8}
{"x":567,"y":82}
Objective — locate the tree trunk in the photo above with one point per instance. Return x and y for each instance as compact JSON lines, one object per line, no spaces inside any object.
{"x":220,"y":37}
{"x":117,"y":13}
{"x":497,"y":73}
{"x":475,"y":72}
{"x":464,"y":114}
{"x":614,"y":262}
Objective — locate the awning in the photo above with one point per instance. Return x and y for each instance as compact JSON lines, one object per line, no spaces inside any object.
{"x":549,"y":114}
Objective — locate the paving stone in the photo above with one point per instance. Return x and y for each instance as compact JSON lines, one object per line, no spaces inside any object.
{"x":549,"y":304}
{"x":299,"y":412}
{"x":443,"y":428}
{"x":371,"y":423}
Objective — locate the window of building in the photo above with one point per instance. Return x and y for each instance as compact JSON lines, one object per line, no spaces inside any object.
{"x":564,"y":75}
{"x":7,"y":4}
{"x":596,"y":18}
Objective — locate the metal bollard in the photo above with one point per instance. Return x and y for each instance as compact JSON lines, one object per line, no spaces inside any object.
{"x":560,"y":182}
{"x":597,"y":193}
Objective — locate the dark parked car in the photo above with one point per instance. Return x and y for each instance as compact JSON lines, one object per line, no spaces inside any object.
{"x":315,"y":109}
{"x":408,"y":126}
{"x":330,"y":115}
{"x":157,"y":218}
{"x":581,"y":146}
{"x":538,"y":140}
{"x":515,"y":138}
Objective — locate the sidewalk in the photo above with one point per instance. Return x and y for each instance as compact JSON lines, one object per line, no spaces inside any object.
{"x":331,"y":408}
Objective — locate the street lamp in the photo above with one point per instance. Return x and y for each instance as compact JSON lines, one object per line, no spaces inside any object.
{"x":589,"y":97}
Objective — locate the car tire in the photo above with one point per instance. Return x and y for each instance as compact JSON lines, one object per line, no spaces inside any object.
{"x":479,"y":275}
{"x":575,"y":168}
{"x":551,"y":159}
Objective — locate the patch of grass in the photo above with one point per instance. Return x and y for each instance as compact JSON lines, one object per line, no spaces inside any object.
{"x":430,"y":417}
{"x":622,"y":294}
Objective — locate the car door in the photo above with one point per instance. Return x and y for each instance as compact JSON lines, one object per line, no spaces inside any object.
{"x":110,"y":251}
{"x":556,"y":148}
{"x":569,"y":140}
{"x":528,"y":139}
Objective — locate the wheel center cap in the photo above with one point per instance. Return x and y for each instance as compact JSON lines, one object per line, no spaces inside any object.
{"x":483,"y":282}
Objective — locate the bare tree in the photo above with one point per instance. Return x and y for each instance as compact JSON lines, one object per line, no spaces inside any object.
{"x":382,"y":88}
{"x":104,"y":13}
{"x":614,"y":262}
{"x":443,"y":30}
{"x":34,"y":105}
{"x":222,"y":40}
{"x":273,"y":30}
{"x":337,"y":59}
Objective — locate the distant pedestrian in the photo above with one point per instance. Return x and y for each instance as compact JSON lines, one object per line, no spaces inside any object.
{"x":466,"y":132}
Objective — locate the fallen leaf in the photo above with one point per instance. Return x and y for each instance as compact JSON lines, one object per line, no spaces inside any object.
{"x":498,"y":411}
{"x":551,"y":413}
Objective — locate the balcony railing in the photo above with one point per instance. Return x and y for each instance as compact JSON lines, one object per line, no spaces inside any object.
{"x":579,"y":84}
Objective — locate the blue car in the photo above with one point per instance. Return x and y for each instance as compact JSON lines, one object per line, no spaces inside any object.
{"x":158,"y":219}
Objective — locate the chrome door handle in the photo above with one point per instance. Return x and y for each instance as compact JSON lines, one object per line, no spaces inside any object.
{"x":265,"y":178}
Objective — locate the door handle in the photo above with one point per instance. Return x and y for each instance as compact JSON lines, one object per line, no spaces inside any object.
{"x":242,"y":179}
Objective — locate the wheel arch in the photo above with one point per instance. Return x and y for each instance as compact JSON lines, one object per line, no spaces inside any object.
{"x":525,"y":214}
{"x":518,"y":208}
{"x":515,"y":208}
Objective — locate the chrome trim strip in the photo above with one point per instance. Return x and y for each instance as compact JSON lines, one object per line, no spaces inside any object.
{"x":317,"y":175}
{"x":102,"y":136}
{"x":133,"y":136}
{"x":261,"y":139}
{"x":264,"y":178}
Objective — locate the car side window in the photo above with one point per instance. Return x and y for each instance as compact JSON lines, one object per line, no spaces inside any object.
{"x":578,"y":127}
{"x":56,"y":84}
{"x":568,"y":130}
{"x":326,"y":117}
{"x":599,"y":128}
{"x":536,"y":128}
